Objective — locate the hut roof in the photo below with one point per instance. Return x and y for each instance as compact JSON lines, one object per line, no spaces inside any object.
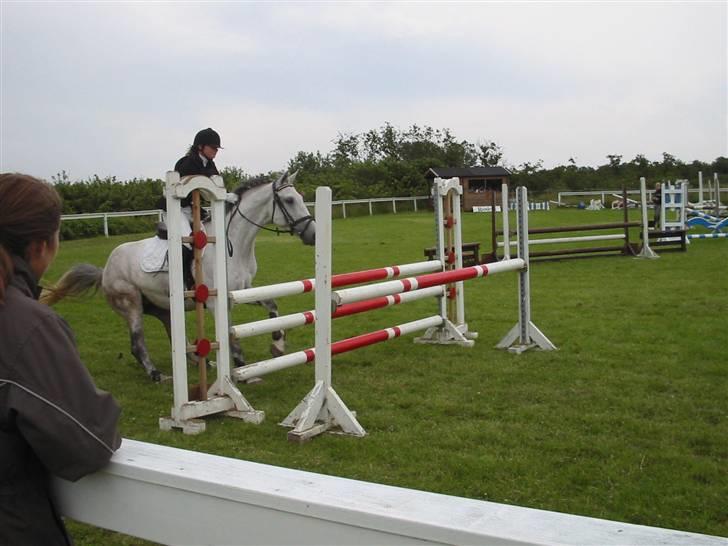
{"x":450,"y":172}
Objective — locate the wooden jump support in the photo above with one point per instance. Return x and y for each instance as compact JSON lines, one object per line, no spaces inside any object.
{"x":625,"y":248}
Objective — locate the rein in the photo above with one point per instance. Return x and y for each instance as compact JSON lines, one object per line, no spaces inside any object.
{"x":290,"y":221}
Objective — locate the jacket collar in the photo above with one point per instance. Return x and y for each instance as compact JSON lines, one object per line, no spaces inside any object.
{"x":24,"y":278}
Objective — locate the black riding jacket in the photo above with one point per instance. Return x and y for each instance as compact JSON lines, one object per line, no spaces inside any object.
{"x":186,"y":166}
{"x":53,"y":419}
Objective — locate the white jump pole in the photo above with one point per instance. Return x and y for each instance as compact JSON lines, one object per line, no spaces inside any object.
{"x":295,"y":320}
{"x":525,"y":332}
{"x":265,"y":367}
{"x":322,"y":409}
{"x":506,"y":223}
{"x":272,"y":291}
{"x":646,"y":251}
{"x":554,"y":240}
{"x":360,"y":293}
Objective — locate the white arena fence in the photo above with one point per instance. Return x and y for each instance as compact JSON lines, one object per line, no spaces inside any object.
{"x":174,"y":496}
{"x":104,"y":216}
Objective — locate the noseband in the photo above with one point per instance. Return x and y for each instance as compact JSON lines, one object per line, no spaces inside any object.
{"x":277,"y":202}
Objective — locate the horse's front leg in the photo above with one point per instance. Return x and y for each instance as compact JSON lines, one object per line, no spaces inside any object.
{"x":278,"y":345}
{"x":236,"y":351}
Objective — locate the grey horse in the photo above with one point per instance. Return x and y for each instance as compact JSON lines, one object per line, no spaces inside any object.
{"x":132,"y":292}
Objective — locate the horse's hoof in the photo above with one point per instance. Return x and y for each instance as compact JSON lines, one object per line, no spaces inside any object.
{"x":156,"y":376}
{"x":275,"y":351}
{"x":253,"y":380}
{"x":165,"y":378}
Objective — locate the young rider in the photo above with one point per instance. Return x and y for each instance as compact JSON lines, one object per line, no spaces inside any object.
{"x":199,"y":160}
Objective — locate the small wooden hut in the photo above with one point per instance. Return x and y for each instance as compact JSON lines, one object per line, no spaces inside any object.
{"x":476,"y":182}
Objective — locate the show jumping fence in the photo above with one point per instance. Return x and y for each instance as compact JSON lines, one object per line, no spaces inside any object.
{"x":322,"y":409}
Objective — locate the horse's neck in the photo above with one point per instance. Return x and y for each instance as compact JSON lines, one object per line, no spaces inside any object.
{"x":255,"y":208}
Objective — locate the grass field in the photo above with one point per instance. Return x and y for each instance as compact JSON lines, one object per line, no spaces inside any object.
{"x":628,"y":420}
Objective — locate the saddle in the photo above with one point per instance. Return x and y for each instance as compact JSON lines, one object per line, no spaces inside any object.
{"x":155,"y":258}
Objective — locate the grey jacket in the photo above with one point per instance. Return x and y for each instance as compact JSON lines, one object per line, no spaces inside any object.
{"x":53,"y":419}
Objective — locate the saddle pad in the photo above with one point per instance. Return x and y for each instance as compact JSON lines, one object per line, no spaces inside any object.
{"x":154,"y":255}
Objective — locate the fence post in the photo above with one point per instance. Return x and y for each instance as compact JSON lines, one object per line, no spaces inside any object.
{"x":106,"y":225}
{"x":370,"y":208}
{"x":394,"y":206}
{"x":343,"y":209}
{"x":414,"y":200}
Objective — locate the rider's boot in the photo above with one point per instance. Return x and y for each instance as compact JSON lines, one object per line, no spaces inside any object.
{"x":188,"y":256}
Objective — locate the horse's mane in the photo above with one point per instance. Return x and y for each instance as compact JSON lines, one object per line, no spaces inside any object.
{"x":245,"y":186}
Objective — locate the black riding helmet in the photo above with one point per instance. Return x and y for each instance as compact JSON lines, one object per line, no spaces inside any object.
{"x":207,"y":137}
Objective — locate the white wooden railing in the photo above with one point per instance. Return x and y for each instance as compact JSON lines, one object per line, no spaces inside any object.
{"x":158,"y":212}
{"x":174,"y":496}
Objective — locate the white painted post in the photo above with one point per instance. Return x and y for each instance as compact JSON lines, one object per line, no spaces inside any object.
{"x":394,"y":206}
{"x":176,"y":296}
{"x":415,"y":203}
{"x":700,"y":189}
{"x":506,"y":223}
{"x":646,"y":251}
{"x":440,"y":234}
{"x":322,"y":409}
{"x":323,"y":289}
{"x":343,"y":209}
{"x":459,"y":286}
{"x":717,"y":195}
{"x":525,"y":331}
{"x":370,"y":208}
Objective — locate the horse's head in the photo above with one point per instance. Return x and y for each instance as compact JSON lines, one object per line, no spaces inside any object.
{"x":289,"y":209}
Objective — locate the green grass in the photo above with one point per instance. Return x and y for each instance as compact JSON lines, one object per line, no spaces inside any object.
{"x":628,"y":420}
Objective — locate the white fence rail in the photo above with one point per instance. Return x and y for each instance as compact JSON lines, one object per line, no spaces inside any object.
{"x":615,"y":192}
{"x":106,"y":215}
{"x":370,"y":202}
{"x":158,"y":212}
{"x":174,"y":496}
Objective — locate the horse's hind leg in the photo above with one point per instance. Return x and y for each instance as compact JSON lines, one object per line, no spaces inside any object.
{"x":163,"y":315}
{"x":278,"y":346}
{"x":129,"y":306}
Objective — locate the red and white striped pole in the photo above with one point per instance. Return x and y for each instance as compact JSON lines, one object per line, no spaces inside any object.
{"x":265,"y":367}
{"x":351,"y":295}
{"x":249,"y":295}
{"x":309,"y":317}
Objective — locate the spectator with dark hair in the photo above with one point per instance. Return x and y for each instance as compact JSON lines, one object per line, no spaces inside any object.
{"x":53,"y":419}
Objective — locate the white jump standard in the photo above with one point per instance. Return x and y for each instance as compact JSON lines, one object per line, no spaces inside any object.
{"x":223,"y":396}
{"x":525,"y":334}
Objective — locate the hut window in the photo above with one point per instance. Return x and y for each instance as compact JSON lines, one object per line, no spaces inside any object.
{"x":476,"y":185}
{"x":495,"y":184}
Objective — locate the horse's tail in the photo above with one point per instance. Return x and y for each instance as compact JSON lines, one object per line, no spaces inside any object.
{"x":76,"y":281}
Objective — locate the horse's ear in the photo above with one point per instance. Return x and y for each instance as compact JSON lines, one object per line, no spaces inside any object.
{"x":292,"y":178}
{"x":282,"y":178}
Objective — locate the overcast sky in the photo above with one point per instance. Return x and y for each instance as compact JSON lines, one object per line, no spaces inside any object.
{"x":120,"y":88}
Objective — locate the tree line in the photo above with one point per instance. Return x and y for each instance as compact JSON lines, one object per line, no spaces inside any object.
{"x":386,"y":162}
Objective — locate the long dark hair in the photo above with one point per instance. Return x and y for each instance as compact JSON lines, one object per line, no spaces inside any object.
{"x":30,"y":210}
